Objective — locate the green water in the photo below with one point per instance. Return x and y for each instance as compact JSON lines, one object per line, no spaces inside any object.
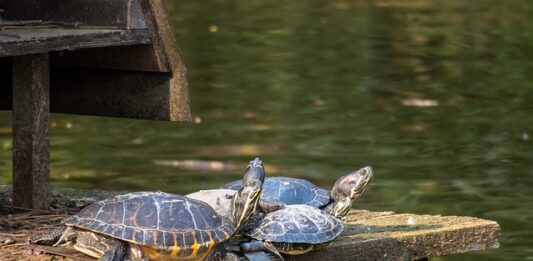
{"x":437,"y":96}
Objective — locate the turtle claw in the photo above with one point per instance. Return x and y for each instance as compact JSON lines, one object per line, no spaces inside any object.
{"x":68,"y":235}
{"x":272,"y":249}
{"x":260,"y":251}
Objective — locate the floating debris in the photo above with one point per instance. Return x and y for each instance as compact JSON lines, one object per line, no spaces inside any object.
{"x":420,"y":102}
{"x":199,"y":164}
{"x":137,"y":141}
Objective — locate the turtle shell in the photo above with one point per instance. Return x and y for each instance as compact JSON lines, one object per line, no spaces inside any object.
{"x":158,"y":220}
{"x":278,"y":191}
{"x":297,"y":224}
{"x":218,"y":199}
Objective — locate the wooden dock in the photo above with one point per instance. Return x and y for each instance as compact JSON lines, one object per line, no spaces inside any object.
{"x":113,"y":58}
{"x":390,"y":236}
{"x":367,"y":235}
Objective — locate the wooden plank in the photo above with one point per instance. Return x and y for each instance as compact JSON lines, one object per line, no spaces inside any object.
{"x":116,"y":93}
{"x":31,"y":109}
{"x":131,"y":57}
{"x":389,"y":236}
{"x":162,"y":55}
{"x":123,"y":14}
{"x":15,"y":42}
{"x":166,"y":48}
{"x":99,"y":92}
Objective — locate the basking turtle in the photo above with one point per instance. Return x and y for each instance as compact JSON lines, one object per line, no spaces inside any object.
{"x":294,"y":230}
{"x":157,"y":225}
{"x":280,"y":191}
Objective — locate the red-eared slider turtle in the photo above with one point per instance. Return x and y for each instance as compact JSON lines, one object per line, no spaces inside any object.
{"x":294,"y":230}
{"x":280,"y":191}
{"x":157,"y":225}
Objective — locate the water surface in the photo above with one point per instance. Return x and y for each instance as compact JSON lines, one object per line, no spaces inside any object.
{"x":437,"y":96}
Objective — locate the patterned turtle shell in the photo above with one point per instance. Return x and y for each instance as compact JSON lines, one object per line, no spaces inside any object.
{"x":297,"y":224}
{"x":163,"y":223}
{"x":279,"y":191}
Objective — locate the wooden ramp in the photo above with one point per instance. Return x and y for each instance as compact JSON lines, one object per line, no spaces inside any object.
{"x":390,"y":236}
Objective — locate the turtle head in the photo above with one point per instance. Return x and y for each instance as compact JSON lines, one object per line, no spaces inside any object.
{"x":349,"y":188}
{"x":244,"y":204}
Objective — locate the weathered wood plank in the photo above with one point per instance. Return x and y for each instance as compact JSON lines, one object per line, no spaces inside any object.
{"x":120,"y":13}
{"x":15,"y":42}
{"x":31,"y":109}
{"x":389,"y":236}
{"x":116,"y":93}
{"x":169,"y":55}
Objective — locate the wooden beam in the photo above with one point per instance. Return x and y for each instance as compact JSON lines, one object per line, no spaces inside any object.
{"x":30,"y":41}
{"x":31,"y":109}
{"x":167,"y":51}
{"x":123,"y":14}
{"x":390,"y":236}
{"x":116,"y":93}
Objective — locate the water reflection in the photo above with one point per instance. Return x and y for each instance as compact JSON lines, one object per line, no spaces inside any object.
{"x":435,"y":95}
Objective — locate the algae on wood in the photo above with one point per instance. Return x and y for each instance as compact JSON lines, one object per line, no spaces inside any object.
{"x":390,"y":236}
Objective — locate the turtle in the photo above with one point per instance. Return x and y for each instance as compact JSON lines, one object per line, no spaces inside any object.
{"x":294,"y":230}
{"x":280,"y":191}
{"x":158,"y":225}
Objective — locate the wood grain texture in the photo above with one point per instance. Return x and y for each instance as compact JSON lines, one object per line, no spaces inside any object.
{"x":389,"y":236}
{"x":118,"y":13}
{"x":15,"y":42}
{"x":31,"y":110}
{"x":164,"y":41}
{"x":115,"y":93}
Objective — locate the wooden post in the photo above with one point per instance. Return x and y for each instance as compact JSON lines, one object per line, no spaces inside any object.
{"x":31,"y":109}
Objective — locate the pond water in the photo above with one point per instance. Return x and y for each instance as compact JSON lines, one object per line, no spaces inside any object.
{"x":437,"y":96}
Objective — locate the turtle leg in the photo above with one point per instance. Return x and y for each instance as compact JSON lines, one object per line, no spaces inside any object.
{"x":266,"y":248}
{"x":69,"y":234}
{"x":115,"y":252}
{"x":102,"y":247}
{"x":261,"y":256}
{"x":231,"y":257}
{"x":51,"y":237}
{"x":135,"y":253}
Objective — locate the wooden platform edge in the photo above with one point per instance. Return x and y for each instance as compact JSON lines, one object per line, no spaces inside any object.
{"x":389,"y":236}
{"x":164,"y":41}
